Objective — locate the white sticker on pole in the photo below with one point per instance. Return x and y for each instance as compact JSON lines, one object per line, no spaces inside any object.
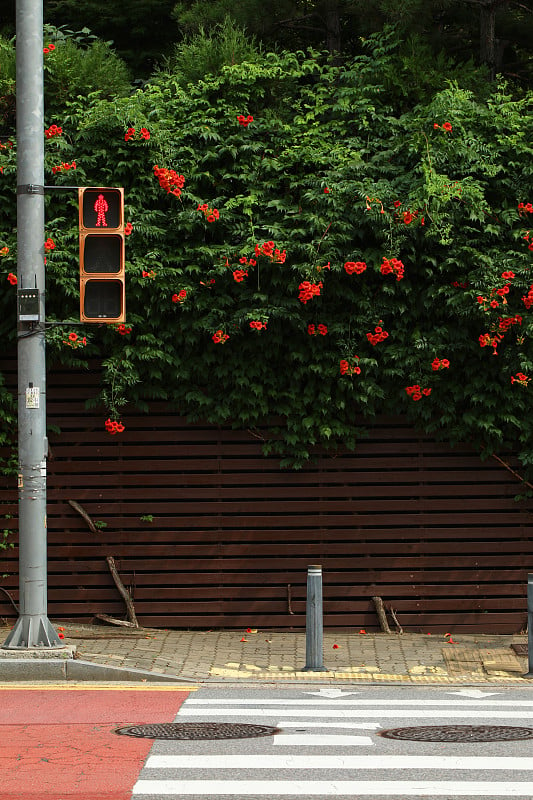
{"x":32,"y":397}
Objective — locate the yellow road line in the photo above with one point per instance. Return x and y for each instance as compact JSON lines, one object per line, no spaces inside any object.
{"x":148,"y":687}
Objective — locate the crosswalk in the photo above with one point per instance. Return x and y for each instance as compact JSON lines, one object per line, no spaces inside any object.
{"x":330,"y":747}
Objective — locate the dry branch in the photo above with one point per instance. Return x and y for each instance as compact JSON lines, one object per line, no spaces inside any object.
{"x":380,"y":611}
{"x":81,"y":511}
{"x":130,"y":608}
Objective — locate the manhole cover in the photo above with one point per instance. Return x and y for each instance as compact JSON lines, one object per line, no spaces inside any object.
{"x":459,"y":733}
{"x":197,"y":730}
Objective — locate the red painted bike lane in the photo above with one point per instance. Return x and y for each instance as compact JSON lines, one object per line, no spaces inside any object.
{"x":60,"y":743}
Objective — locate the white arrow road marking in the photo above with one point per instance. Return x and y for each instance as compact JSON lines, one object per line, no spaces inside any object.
{"x":473,"y":693}
{"x":318,"y":740}
{"x":362,"y":726}
{"x":324,"y":691}
{"x":351,"y":789}
{"x":362,"y":762}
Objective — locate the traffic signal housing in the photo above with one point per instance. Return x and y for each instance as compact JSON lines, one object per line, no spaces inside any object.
{"x":102,"y":254}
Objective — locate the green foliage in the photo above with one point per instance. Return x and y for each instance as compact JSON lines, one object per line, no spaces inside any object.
{"x":205,"y":53}
{"x":338,"y":165}
{"x":81,"y":68}
{"x":7,"y":85}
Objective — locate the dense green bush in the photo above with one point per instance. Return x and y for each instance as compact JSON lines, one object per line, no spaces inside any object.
{"x":337,"y":171}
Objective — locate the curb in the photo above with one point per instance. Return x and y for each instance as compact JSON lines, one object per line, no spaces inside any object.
{"x":61,"y":669}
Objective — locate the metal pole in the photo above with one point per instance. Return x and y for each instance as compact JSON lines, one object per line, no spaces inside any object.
{"x":529,"y":673}
{"x":32,"y":629}
{"x":314,"y":624}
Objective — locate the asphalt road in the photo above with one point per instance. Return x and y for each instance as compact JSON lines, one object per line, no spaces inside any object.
{"x":60,"y":742}
{"x":330,"y":744}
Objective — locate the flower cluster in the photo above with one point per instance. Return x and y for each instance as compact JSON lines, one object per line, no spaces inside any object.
{"x":130,"y":134}
{"x":460,"y":284}
{"x":349,"y":367}
{"x":128,"y":229}
{"x":239,"y":275}
{"x":492,"y":340}
{"x":180,"y":296}
{"x":525,"y":208}
{"x":53,"y":130}
{"x":123,"y":330}
{"x":416,"y":392}
{"x":309,"y":290}
{"x":392,"y":266}
{"x":211,"y":214}
{"x":504,"y":323}
{"x":248,"y":262}
{"x":49,"y":244}
{"x":520,"y":378}
{"x":219,"y":337}
{"x":244,"y":121}
{"x":75,"y":341}
{"x":49,"y":48}
{"x":4,"y":250}
{"x":113,"y":427}
{"x":440,"y":363}
{"x":64,"y":167}
{"x":169,"y":180}
{"x":270,"y":250}
{"x":355,"y":266}
{"x":12,"y":279}
{"x":149,"y":273}
{"x":379,"y":335}
{"x":314,"y":330}
{"x":257,"y":325}
{"x":408,"y":216}
{"x":528,"y":298}
{"x":446,"y":126}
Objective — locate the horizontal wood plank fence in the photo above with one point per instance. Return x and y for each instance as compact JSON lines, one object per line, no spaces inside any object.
{"x":207,"y":532}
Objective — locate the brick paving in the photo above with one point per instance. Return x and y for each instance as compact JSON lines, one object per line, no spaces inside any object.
{"x":263,"y":655}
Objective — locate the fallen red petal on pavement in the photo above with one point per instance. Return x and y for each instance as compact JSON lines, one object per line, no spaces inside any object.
{"x":335,"y":646}
{"x":243,"y":639}
{"x":362,"y":630}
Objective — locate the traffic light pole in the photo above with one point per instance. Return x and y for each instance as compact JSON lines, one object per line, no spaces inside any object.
{"x":33,"y":628}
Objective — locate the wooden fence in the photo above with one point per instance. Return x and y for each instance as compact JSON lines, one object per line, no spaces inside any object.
{"x":207,"y":532}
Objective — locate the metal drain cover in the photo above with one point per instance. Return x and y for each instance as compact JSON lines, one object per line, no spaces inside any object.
{"x":197,"y":730}
{"x":459,"y":733}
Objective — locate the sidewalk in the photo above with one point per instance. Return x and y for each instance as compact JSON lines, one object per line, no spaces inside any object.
{"x":265,"y":656}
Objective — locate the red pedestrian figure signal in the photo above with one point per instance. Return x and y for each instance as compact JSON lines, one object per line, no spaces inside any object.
{"x":101,"y":207}
{"x":102,"y":254}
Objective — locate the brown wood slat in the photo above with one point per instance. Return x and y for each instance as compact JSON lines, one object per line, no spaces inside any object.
{"x":431,"y":529}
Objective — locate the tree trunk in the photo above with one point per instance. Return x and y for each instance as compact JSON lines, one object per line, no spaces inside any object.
{"x":332,"y":20}
{"x":487,"y":34}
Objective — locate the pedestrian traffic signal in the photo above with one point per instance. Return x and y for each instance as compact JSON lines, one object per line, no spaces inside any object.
{"x":102,"y":274}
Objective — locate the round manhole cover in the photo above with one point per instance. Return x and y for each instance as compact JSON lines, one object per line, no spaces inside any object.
{"x":197,"y":730}
{"x":459,"y":733}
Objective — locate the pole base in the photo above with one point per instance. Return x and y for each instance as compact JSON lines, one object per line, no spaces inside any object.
{"x":315,"y":669}
{"x":32,"y":631}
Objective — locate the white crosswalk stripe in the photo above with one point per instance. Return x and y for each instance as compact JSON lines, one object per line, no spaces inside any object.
{"x":286,"y":761}
{"x":280,"y":766}
{"x":353,"y":789}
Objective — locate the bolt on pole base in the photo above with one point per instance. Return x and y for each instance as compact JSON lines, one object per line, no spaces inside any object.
{"x":32,"y":631}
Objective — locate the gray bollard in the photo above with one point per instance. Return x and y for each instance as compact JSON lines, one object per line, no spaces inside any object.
{"x":314,"y":624}
{"x":529,"y":673}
